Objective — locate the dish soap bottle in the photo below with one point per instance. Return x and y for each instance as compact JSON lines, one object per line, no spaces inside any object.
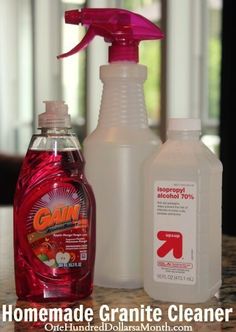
{"x":182,"y":198}
{"x":116,"y":150}
{"x":54,"y":215}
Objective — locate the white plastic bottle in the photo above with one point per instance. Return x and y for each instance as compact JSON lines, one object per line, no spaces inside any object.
{"x":116,"y":150}
{"x":182,"y":229}
{"x":114,"y":155}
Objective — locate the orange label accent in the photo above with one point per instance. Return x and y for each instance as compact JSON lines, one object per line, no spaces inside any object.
{"x":44,"y":218}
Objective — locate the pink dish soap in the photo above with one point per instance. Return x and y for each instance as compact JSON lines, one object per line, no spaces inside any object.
{"x":54,"y":215}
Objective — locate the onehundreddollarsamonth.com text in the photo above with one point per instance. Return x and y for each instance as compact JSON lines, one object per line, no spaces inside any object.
{"x":148,"y":327}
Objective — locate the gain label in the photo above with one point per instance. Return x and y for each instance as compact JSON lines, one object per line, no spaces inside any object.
{"x":57,"y":228}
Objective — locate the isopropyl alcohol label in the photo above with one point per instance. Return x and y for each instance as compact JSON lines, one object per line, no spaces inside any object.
{"x":174,"y":249}
{"x":57,"y":227}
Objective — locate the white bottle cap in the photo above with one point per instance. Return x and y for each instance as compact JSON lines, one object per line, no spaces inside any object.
{"x":184,"y":124}
{"x":55,"y":116}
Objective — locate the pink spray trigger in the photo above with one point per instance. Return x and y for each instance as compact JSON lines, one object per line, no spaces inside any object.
{"x":120,"y":27}
{"x":81,"y":46}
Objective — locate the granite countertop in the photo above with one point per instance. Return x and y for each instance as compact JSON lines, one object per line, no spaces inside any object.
{"x":115,"y":297}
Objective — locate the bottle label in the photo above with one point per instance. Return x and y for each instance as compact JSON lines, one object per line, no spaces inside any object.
{"x":174,"y":250}
{"x":57,"y":228}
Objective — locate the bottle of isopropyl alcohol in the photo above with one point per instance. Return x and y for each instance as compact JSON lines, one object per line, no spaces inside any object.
{"x":182,"y":198}
{"x":116,"y":150}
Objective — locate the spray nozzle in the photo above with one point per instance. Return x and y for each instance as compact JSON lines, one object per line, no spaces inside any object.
{"x":120,"y":27}
{"x":55,"y":116}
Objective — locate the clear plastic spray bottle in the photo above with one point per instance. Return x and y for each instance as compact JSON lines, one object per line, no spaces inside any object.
{"x":116,"y":150}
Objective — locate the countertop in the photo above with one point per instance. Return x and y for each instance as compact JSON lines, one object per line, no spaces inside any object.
{"x":114,"y":297}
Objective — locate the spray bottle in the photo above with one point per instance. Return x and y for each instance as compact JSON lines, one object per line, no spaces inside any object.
{"x":116,"y":150}
{"x":54,"y":215}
